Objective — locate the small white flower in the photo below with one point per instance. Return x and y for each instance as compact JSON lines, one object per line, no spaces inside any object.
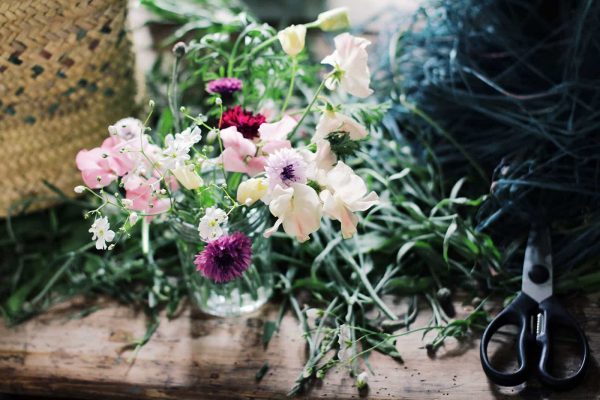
{"x":101,"y":232}
{"x":350,"y":63}
{"x":79,"y":189}
{"x":177,"y":149}
{"x":127,"y":203}
{"x":210,"y":227}
{"x":286,"y":167}
{"x":345,"y":343}
{"x":362,"y":380}
{"x":312,"y":315}
{"x":292,"y":39}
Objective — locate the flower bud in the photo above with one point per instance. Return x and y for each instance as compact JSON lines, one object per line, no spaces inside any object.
{"x":292,"y":39}
{"x":188,"y":177}
{"x":79,"y":189}
{"x":133,"y":218}
{"x":362,"y":380}
{"x":333,"y":20}
{"x":179,"y":49}
{"x":252,"y":190}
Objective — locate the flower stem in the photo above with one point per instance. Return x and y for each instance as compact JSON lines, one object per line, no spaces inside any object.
{"x":367,"y":284}
{"x":172,"y":95}
{"x":291,"y":88}
{"x":145,"y":237}
{"x":309,"y":108}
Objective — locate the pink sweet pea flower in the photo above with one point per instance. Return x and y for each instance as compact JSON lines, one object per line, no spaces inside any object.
{"x":144,"y":194}
{"x":243,"y":155}
{"x":102,"y":165}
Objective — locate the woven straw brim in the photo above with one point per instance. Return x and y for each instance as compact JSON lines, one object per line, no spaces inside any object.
{"x":66,"y":73}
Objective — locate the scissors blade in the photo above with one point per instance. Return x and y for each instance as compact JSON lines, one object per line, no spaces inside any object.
{"x":537,"y":265}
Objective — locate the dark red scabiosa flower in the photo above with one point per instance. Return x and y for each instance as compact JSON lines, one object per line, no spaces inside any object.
{"x":226,"y":258}
{"x":224,"y":86}
{"x":246,"y":123}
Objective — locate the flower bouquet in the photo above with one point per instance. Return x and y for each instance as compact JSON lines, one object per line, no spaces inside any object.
{"x":227,"y":175}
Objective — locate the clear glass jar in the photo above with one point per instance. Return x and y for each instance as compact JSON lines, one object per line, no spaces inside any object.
{"x":241,"y":295}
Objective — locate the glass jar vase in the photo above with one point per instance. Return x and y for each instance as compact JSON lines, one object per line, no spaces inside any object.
{"x":241,"y":295}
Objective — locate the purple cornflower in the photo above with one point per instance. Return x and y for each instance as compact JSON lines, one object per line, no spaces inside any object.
{"x":226,"y":258}
{"x":224,"y":86}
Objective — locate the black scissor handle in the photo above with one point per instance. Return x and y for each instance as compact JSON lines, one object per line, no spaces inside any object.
{"x":556,"y":315}
{"x":516,"y":313}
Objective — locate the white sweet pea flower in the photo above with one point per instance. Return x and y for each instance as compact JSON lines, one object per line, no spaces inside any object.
{"x":346,"y":193}
{"x":350,"y":63}
{"x":333,"y":20}
{"x":252,"y":190}
{"x":210,"y":224}
{"x":345,"y":343}
{"x":362,"y":380}
{"x":101,"y":232}
{"x":298,"y":208}
{"x":332,"y":121}
{"x":188,"y":178}
{"x":292,"y":39}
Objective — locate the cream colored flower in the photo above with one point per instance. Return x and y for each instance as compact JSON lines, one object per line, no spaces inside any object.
{"x":292,"y":39}
{"x":252,"y":190}
{"x":332,"y":121}
{"x":350,"y":63}
{"x":188,"y":177}
{"x":346,"y":193}
{"x":298,"y":208}
{"x":333,"y":20}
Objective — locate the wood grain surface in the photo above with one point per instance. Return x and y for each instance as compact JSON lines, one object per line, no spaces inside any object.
{"x":199,"y":357}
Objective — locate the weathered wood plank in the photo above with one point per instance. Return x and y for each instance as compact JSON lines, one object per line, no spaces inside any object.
{"x":195,"y":356}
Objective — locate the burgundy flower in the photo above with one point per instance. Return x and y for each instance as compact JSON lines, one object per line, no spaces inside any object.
{"x":226,"y":258}
{"x":224,"y":86}
{"x":245,"y":122}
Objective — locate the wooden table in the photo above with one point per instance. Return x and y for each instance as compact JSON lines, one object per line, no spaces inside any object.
{"x":199,"y":357}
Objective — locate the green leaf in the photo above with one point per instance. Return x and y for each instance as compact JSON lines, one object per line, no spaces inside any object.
{"x":269,"y":330}
{"x":451,"y":229}
{"x":386,"y":346}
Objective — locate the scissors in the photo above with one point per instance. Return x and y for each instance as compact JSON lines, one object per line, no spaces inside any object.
{"x":536,"y":303}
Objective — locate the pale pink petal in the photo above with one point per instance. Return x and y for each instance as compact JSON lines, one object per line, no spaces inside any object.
{"x":277,"y":130}
{"x":256,"y":165}
{"x":233,"y":161}
{"x":274,"y":145}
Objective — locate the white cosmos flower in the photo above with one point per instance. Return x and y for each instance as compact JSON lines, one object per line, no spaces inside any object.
{"x":101,"y":232}
{"x":297,"y":208}
{"x":332,"y":121}
{"x":210,"y":227}
{"x":350,"y":63}
{"x":346,"y":193}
